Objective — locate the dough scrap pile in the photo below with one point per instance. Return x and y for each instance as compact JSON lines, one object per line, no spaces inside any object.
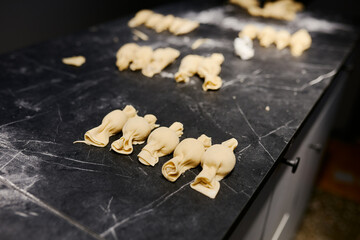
{"x":298,"y":42}
{"x":217,"y":161}
{"x":159,"y":22}
{"x":112,"y":124}
{"x":282,"y":9}
{"x":144,"y":58}
{"x":206,"y":67}
{"x":76,"y":61}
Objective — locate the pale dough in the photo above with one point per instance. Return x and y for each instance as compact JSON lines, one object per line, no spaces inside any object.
{"x":159,"y":22}
{"x":217,"y":161}
{"x":135,"y":131}
{"x":282,"y":39}
{"x":125,"y":55}
{"x":140,"y":18}
{"x":161,"y":142}
{"x":244,"y":47}
{"x":76,"y":61}
{"x":299,"y":42}
{"x":206,"y":67}
{"x":198,"y":43}
{"x":112,"y":123}
{"x":140,"y":35}
{"x":161,"y":58}
{"x":186,"y":155}
{"x":209,"y":69}
{"x":282,"y":9}
{"x":188,"y":68}
{"x":250,"y":31}
{"x":153,"y":20}
{"x":165,"y":23}
{"x":144,"y":58}
{"x":267,"y":36}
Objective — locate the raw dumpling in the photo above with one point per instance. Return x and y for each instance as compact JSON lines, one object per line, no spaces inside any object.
{"x":186,"y":155}
{"x":125,"y":55}
{"x":188,"y":68}
{"x":209,"y":69}
{"x":282,"y":39}
{"x":135,"y":131}
{"x":161,"y":142}
{"x":140,"y":18}
{"x":112,"y":123}
{"x":299,"y":42}
{"x":217,"y":161}
{"x":161,"y":58}
{"x":267,"y":36}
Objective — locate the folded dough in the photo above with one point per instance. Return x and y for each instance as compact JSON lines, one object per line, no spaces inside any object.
{"x":140,"y":18}
{"x":283,"y":10}
{"x":161,"y":142}
{"x":206,"y":67}
{"x":135,"y":131}
{"x":267,"y":36}
{"x":186,"y":155}
{"x":161,"y":58}
{"x":159,"y":22}
{"x":112,"y":123}
{"x":125,"y":55}
{"x":282,"y":39}
{"x":188,"y":68}
{"x":144,"y":58}
{"x":249,"y":31}
{"x":217,"y":161}
{"x":299,"y":42}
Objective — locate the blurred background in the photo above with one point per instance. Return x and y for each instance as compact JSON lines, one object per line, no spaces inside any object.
{"x":334,"y":211}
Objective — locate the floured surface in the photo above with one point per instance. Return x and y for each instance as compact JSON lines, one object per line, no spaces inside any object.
{"x":45,"y":105}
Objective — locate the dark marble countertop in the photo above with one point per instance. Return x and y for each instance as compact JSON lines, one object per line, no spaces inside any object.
{"x":52,"y":187}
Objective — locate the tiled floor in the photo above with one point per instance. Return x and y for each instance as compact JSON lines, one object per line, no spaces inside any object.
{"x":334,"y":210}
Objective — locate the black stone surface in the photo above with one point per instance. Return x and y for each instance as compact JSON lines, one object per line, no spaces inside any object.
{"x":46,"y":105}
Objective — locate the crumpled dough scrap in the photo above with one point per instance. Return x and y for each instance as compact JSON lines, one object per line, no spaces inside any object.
{"x":144,"y":58}
{"x":206,"y":67}
{"x":267,"y":36}
{"x":282,"y":39}
{"x":186,"y":155}
{"x":161,"y":142}
{"x":161,"y":58}
{"x":299,"y":42}
{"x":76,"y":61}
{"x":217,"y":161}
{"x":111,"y":124}
{"x":244,"y":48}
{"x":135,"y":131}
{"x":159,"y":22}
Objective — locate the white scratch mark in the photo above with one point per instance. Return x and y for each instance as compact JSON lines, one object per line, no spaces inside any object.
{"x":266,"y":151}
{"x":20,"y":214}
{"x":277,"y":129}
{"x":246,"y":120}
{"x":22,"y":120}
{"x":229,"y":187}
{"x":322,"y":77}
{"x":142,"y":170}
{"x":66,"y":158}
{"x":130,"y":158}
{"x":12,"y":159}
{"x":245,"y":148}
{"x":171,"y":194}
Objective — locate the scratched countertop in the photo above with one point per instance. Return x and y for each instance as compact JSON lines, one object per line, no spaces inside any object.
{"x":51,"y":188}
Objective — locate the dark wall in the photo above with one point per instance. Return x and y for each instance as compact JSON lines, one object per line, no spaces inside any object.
{"x":24,"y":22}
